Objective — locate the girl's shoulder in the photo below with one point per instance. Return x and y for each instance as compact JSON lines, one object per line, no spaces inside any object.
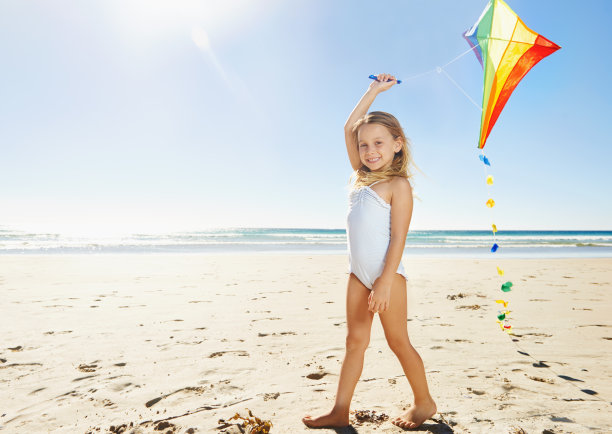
{"x":400,"y":186}
{"x":392,"y":186}
{"x":400,"y":182}
{"x":396,"y":183}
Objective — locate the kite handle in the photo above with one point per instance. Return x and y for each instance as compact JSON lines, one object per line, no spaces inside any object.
{"x":373,"y":77}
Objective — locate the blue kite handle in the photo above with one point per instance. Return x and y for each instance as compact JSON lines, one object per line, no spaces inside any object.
{"x":373,"y":77}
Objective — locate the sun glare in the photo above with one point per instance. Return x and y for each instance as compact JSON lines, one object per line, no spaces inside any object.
{"x":144,"y":22}
{"x":200,"y":37}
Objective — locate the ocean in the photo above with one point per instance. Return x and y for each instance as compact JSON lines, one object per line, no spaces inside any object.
{"x":462,"y":243}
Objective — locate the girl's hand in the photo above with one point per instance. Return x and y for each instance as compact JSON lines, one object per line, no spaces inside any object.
{"x":378,"y":300}
{"x":381,"y":84}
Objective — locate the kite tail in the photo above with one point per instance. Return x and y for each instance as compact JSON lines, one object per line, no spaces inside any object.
{"x":503,"y":313}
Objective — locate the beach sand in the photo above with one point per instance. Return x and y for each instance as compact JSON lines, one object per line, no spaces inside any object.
{"x":173,"y":343}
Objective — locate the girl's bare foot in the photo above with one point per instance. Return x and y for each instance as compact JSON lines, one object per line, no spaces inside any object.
{"x":332,"y":418}
{"x":416,"y":415}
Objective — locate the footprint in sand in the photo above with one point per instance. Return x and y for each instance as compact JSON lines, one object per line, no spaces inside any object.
{"x":470,"y":307}
{"x":122,"y":386}
{"x":19,"y":364}
{"x":189,"y":391}
{"x":105,"y":403}
{"x":220,"y":353}
{"x":476,"y":392}
{"x":153,"y":401}
{"x":261,"y":335}
{"x":87,"y":368}
{"x":546,"y":335}
{"x":59,"y":333}
{"x":36,"y":391}
{"x":263,"y":319}
{"x":269,"y":396}
{"x":160,"y":425}
{"x":316,"y":375}
{"x":543,"y":380}
{"x":116,"y":429}
{"x":561,"y":419}
{"x":84,"y":378}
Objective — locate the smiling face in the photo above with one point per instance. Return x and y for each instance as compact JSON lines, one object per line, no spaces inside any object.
{"x":376,"y":146}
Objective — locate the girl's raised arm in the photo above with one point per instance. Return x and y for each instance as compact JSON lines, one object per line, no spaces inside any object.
{"x":359,"y":111}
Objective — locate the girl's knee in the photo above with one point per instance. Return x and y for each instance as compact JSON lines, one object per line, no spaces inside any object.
{"x":356,"y":342}
{"x":399,"y":344}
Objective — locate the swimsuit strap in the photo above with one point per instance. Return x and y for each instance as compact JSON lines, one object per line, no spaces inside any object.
{"x":375,"y":182}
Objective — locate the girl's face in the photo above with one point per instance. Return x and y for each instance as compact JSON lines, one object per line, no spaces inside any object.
{"x":376,"y":146}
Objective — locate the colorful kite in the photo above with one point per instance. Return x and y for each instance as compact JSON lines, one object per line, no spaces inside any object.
{"x":507,"y":49}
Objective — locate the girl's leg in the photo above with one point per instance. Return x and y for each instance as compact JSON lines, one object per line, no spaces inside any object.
{"x":359,"y":324}
{"x":394,"y":322}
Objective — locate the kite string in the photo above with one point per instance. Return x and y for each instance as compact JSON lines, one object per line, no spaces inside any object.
{"x":442,"y":69}
{"x":460,"y":56}
{"x":460,"y":88}
{"x":438,"y":68}
{"x":418,"y":75}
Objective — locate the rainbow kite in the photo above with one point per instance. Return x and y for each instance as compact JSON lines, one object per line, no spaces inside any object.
{"x":507,"y":49}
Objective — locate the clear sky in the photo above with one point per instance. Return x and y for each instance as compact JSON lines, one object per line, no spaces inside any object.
{"x":149,"y":115}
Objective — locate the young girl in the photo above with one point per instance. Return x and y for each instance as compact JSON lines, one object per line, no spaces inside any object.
{"x":377,"y":224}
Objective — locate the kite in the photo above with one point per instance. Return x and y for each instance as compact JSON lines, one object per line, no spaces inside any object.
{"x":507,"y":49}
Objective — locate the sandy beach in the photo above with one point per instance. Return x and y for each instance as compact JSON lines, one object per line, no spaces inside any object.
{"x":174,"y":343}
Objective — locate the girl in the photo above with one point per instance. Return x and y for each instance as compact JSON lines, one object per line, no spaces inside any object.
{"x":377,"y":224}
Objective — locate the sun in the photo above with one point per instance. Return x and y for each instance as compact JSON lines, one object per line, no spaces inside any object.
{"x":200,"y":38}
{"x":144,"y":23}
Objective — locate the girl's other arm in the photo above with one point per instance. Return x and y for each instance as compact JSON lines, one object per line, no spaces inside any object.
{"x":401,"y":214}
{"x":359,"y":111}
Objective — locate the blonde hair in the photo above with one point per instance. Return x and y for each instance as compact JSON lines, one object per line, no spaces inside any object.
{"x":402,"y":161}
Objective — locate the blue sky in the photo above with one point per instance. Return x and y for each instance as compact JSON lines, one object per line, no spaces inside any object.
{"x":135,"y":115}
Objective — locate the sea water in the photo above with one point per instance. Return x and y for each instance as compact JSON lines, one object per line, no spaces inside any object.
{"x":470,"y":243}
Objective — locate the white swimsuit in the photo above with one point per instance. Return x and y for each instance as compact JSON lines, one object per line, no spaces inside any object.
{"x":368,"y":230}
